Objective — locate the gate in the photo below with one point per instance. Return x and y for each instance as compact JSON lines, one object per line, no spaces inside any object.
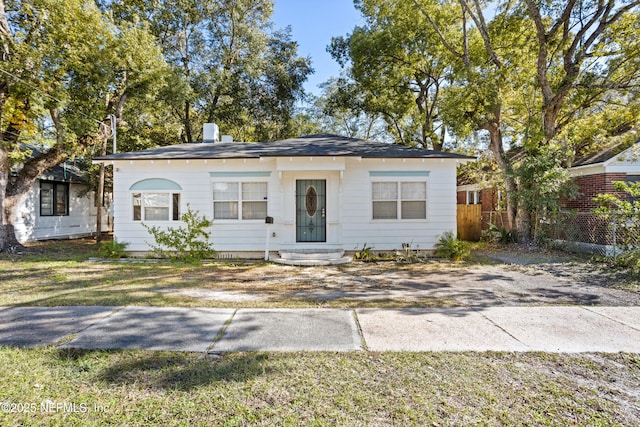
{"x":469,"y":218}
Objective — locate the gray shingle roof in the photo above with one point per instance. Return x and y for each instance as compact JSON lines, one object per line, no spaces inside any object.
{"x":604,"y":154}
{"x":321,"y":145}
{"x":68,"y":171}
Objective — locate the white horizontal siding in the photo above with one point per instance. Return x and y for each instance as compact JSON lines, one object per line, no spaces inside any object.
{"x":81,"y":221}
{"x":357,"y":223}
{"x":349,"y":222}
{"x":196,"y":182}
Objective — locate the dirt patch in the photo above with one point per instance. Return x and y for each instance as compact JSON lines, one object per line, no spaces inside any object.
{"x":211,"y":294}
{"x":513,"y":277}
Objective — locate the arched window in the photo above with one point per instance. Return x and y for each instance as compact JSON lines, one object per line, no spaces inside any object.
{"x":156,"y":199}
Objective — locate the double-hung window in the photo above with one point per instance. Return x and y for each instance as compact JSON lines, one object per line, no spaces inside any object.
{"x":385,"y":200}
{"x":54,"y":198}
{"x":239,"y":200}
{"x":413,"y":200}
{"x":151,"y":206}
{"x":473,"y":198}
{"x":399,"y":200}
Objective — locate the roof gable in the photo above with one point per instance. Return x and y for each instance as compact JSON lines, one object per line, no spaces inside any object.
{"x":606,"y":154}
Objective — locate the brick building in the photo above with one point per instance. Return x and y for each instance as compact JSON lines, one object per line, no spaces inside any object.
{"x":593,"y":174}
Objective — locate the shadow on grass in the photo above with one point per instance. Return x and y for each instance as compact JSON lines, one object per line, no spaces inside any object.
{"x":56,"y":250}
{"x":172,"y":370}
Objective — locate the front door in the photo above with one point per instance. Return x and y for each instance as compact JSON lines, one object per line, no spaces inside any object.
{"x":311,"y":210}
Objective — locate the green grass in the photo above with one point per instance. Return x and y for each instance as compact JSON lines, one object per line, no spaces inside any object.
{"x":357,"y":388}
{"x":59,"y":273}
{"x":165,"y":388}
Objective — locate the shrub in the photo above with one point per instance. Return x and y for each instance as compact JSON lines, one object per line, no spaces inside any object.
{"x":189,"y":243}
{"x":113,"y":249}
{"x":450,"y":247}
{"x":364,"y":254}
{"x":497,"y":234}
{"x":408,"y":255}
{"x":630,"y":260}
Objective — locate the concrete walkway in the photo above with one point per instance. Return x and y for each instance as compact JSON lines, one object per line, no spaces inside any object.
{"x":549,"y":329}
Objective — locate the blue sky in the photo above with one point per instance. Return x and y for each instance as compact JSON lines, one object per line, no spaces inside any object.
{"x":313,"y":24}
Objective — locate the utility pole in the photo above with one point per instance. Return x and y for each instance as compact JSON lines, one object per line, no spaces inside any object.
{"x":100,"y":195}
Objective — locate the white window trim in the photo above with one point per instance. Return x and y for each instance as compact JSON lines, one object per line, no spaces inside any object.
{"x":398,"y":218}
{"x":171,"y":206}
{"x":239,"y":181}
{"x":475,"y":195}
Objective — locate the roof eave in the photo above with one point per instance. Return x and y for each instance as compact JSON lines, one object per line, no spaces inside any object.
{"x":460,"y":158}
{"x":588,"y":165}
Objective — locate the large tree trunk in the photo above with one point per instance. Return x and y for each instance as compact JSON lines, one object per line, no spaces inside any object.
{"x":497,"y":149}
{"x":518,"y":218}
{"x":8,"y":241}
{"x":523,"y":226}
{"x":12,"y":193}
{"x":9,"y":201}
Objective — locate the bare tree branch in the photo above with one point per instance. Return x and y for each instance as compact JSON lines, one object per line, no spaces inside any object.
{"x":443,"y":39}
{"x":478,"y":19}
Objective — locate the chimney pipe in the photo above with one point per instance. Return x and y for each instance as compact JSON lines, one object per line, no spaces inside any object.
{"x":210,"y":133}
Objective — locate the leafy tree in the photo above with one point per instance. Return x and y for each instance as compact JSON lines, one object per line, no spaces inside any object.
{"x":523,"y":73}
{"x":67,"y":64}
{"x":585,"y":48}
{"x":280,"y":84}
{"x":339,"y":110}
{"x":228,"y":66}
{"x":581,"y":65}
{"x":397,"y":67}
{"x":489,"y":90}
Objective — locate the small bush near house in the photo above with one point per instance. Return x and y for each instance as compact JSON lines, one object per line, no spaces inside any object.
{"x":450,"y":247}
{"x":497,"y":234}
{"x":113,"y":249}
{"x":364,"y":254}
{"x":189,"y":243}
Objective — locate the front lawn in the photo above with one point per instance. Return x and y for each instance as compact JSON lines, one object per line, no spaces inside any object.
{"x":60,"y":274}
{"x":50,"y":386}
{"x":70,"y":387}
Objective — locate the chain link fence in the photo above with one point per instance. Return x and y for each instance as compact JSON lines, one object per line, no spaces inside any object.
{"x":608,"y":236}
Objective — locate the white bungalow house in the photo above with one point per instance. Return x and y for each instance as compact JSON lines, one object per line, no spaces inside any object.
{"x":58,"y":205}
{"x":321,"y":192}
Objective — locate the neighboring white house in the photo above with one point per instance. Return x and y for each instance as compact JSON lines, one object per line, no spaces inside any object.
{"x":323,"y":192}
{"x":58,"y":205}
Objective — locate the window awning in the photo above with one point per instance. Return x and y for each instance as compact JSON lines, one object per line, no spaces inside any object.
{"x":155,"y":184}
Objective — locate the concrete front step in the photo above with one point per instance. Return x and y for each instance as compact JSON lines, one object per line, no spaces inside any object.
{"x":311,"y":258}
{"x":317,"y":255}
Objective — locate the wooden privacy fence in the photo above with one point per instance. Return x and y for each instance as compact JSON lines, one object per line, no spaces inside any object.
{"x":469,"y":218}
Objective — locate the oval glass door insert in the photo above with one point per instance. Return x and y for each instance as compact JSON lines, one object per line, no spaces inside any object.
{"x":311,"y":201}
